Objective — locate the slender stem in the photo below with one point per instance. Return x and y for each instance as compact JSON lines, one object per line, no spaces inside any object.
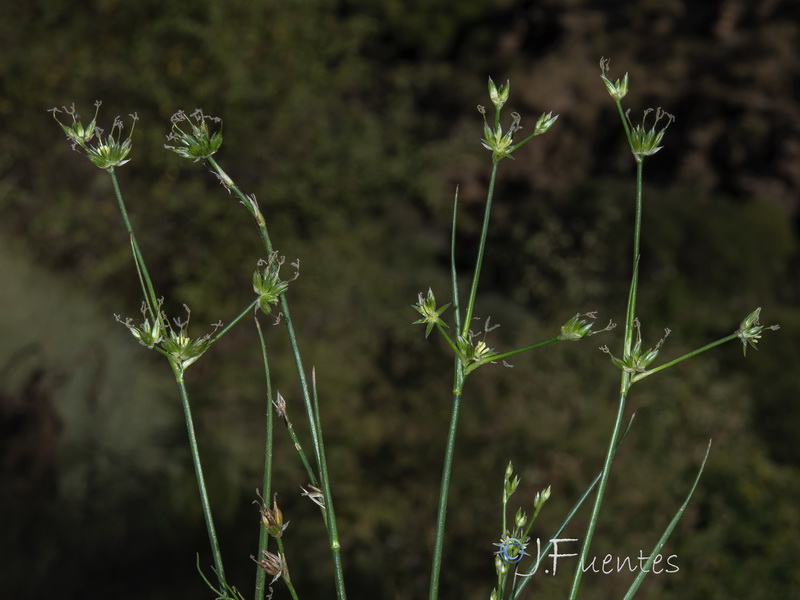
{"x":516,"y":590}
{"x":625,"y":384}
{"x":285,"y":575}
{"x":316,"y":437}
{"x":630,"y":314}
{"x":667,"y":532}
{"x":453,"y":274}
{"x":601,"y":489}
{"x":263,"y":535}
{"x":481,"y":247}
{"x":144,"y":276}
{"x":458,"y":386}
{"x":312,"y":477}
{"x":626,"y":126}
{"x":441,"y":514}
{"x":328,"y":513}
{"x":719,"y":342}
{"x":198,"y":470}
{"x":496,"y":357}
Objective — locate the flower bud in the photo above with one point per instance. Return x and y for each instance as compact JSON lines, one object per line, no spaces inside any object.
{"x":616,"y":89}
{"x":268,"y":284}
{"x":430,"y":312}
{"x":272,"y":518}
{"x":521,"y":519}
{"x":198,"y":144}
{"x":498,"y":97}
{"x":750,"y":329}
{"x":545,"y":122}
{"x":645,"y":142}
{"x":272,"y":564}
{"x":541,"y":498}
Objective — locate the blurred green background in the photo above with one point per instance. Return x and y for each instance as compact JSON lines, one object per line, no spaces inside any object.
{"x":353,"y":122}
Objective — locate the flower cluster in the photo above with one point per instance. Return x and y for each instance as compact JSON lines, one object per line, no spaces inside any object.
{"x":106,"y":153}
{"x":430,"y":312}
{"x":750,"y":329}
{"x":267,"y":282}
{"x":637,"y":360}
{"x":157,"y":332}
{"x":198,"y":143}
{"x":499,"y":142}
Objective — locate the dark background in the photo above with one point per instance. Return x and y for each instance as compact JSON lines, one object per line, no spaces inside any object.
{"x":353,"y":122}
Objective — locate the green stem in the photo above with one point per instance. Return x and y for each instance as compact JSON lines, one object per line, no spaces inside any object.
{"x":719,"y":342}
{"x":285,"y":575}
{"x":453,"y":274}
{"x":263,"y":535}
{"x":316,"y":437}
{"x":441,"y":514}
{"x":667,"y":532}
{"x":328,"y":513}
{"x":496,"y":357}
{"x":312,"y":477}
{"x":625,"y":384}
{"x":144,"y":276}
{"x":630,"y":314}
{"x":459,"y":377}
{"x":601,"y":489}
{"x":198,"y":470}
{"x":481,"y":247}
{"x":517,"y":588}
{"x":626,"y":126}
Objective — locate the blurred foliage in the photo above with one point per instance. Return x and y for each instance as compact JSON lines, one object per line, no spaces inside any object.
{"x":352,"y":122}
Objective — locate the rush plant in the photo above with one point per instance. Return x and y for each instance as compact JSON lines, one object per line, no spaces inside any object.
{"x":198,"y":137}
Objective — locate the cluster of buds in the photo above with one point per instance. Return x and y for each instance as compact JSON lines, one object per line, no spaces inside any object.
{"x":644,"y":141}
{"x":637,"y":360}
{"x":617,"y":89}
{"x":512,"y":544}
{"x":107,"y":152}
{"x":426,"y":306}
{"x":471,"y":351}
{"x":272,"y":564}
{"x":577,"y":327}
{"x":174,"y":342}
{"x":267,"y":282}
{"x":750,"y":329}
{"x":272,"y":518}
{"x":199,"y":143}
{"x":499,"y":142}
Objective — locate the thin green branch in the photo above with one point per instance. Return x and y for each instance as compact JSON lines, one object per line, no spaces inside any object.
{"x":201,"y":484}
{"x":663,"y":540}
{"x":625,"y":384}
{"x":330,"y":515}
{"x":516,"y":590}
{"x":630,"y":313}
{"x":144,"y":276}
{"x":453,"y":275}
{"x":444,"y":490}
{"x":719,"y":342}
{"x":263,"y":535}
{"x":496,"y":357}
{"x":230,"y":325}
{"x":481,"y":247}
{"x":285,"y":573}
{"x":282,"y":412}
{"x":316,"y":435}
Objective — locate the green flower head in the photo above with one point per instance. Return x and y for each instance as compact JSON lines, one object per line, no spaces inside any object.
{"x":107,"y":152}
{"x":196,"y":141}
{"x":426,"y":306}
